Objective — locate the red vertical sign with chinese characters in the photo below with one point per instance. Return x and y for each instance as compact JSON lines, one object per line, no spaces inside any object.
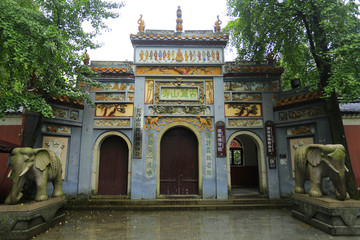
{"x":270,"y":143}
{"x":220,"y":139}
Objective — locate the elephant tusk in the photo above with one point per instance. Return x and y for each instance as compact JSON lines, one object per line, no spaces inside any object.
{"x":332,"y":167}
{"x":24,"y":172}
{"x":9,"y":175}
{"x":346,"y":169}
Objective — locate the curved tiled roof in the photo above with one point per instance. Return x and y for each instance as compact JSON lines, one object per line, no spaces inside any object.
{"x":110,"y":70}
{"x":190,"y":37}
{"x":299,"y":98}
{"x":67,"y":101}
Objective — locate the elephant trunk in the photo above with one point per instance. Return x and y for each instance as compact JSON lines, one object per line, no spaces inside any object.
{"x":15,"y":192}
{"x":342,"y":187}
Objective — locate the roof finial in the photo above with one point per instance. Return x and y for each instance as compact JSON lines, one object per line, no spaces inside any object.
{"x":217,"y":25}
{"x":86,"y":60}
{"x":179,"y":21}
{"x":141,"y":24}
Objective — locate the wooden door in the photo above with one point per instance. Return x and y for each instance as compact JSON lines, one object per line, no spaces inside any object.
{"x":113,"y":169}
{"x":179,"y":162}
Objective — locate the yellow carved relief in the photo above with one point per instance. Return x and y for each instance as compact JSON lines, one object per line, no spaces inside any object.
{"x":209,"y":93}
{"x":155,"y":122}
{"x":243,"y":110}
{"x":149,"y":91}
{"x":114,"y":110}
{"x":175,"y":70}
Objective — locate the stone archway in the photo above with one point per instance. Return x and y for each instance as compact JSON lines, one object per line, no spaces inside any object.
{"x":262,"y":182}
{"x":197,"y":135}
{"x":96,"y":159}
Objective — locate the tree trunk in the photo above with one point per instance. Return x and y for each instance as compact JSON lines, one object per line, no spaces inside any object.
{"x":338,"y":137}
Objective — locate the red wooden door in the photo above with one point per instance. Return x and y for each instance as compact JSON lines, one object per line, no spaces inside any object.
{"x":179,"y":162}
{"x":113,"y":169}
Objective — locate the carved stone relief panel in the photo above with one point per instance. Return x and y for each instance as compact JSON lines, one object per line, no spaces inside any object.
{"x":177,"y":70}
{"x":114,"y":110}
{"x":59,"y":145}
{"x":245,"y":122}
{"x":55,"y":128}
{"x":179,"y":110}
{"x":243,"y":110}
{"x":114,"y":86}
{"x":112,"y":123}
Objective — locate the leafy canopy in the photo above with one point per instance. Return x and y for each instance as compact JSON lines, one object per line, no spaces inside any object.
{"x":42,"y":45}
{"x":317,"y":41}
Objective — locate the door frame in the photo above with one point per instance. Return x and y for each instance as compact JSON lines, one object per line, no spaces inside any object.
{"x":96,"y":160}
{"x":260,"y":155}
{"x":158,"y":144}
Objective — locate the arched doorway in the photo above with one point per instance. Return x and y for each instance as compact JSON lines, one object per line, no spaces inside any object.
{"x":113,"y":167}
{"x":179,"y":162}
{"x":246,"y":169}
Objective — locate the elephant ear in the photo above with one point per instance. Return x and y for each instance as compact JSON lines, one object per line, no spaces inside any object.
{"x":313,"y":155}
{"x":42,"y":158}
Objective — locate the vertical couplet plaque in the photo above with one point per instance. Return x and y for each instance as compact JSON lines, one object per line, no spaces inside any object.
{"x":220,"y":139}
{"x":270,"y":143}
{"x":138,"y":124}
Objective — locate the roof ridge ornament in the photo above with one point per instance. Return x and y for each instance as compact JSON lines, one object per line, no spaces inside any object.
{"x":217,"y":25}
{"x":141,"y":24}
{"x":179,"y":20}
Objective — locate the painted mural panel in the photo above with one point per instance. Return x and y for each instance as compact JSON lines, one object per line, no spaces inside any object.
{"x":245,"y":122}
{"x":112,"y":123}
{"x":114,"y":110}
{"x":243,"y":97}
{"x":252,"y":86}
{"x":59,"y":145}
{"x":299,"y":130}
{"x":54,"y":128}
{"x":243,"y":110}
{"x":307,"y":112}
{"x":172,"y":70}
{"x":111,"y":86}
{"x":74,"y":115}
{"x":174,"y":55}
{"x":61,"y":113}
{"x":110,"y":96}
{"x":179,"y":110}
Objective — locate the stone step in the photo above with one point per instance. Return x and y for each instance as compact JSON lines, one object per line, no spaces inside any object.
{"x":173,"y":204}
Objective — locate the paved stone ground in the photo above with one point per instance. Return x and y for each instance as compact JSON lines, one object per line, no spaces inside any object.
{"x":185,"y":225}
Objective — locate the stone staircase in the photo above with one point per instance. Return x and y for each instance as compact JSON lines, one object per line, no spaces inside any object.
{"x":175,"y":204}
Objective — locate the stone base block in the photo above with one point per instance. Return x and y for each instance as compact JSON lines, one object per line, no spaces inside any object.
{"x":338,"y":218}
{"x":23,"y":221}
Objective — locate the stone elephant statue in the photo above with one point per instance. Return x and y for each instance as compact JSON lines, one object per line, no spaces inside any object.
{"x":38,"y":164}
{"x":316,"y":161}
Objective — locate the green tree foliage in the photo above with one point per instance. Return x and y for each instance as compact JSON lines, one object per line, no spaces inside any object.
{"x":316,"y":41}
{"x":42,"y":45}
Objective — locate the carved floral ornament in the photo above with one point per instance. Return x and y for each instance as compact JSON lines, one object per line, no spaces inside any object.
{"x":155,"y":122}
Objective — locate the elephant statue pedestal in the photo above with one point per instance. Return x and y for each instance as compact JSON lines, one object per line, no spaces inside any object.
{"x":29,"y":219}
{"x":338,"y":218}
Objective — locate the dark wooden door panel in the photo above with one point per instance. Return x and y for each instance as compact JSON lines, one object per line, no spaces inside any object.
{"x":113,"y":169}
{"x":179,"y":162}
